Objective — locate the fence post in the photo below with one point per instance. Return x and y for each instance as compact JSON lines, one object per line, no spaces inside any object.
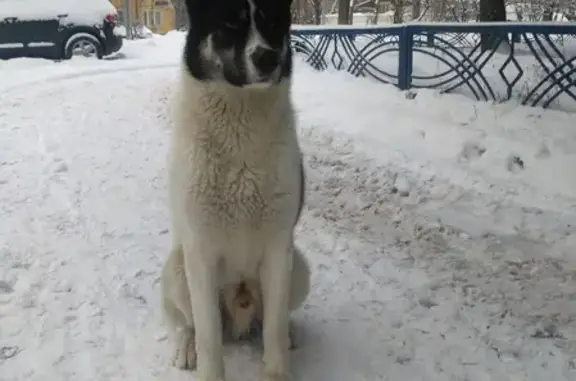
{"x":430,"y":39}
{"x":405,"y":43}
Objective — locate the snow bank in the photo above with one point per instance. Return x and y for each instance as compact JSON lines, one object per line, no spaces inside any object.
{"x":521,"y":154}
{"x":78,"y":12}
{"x":155,"y":47}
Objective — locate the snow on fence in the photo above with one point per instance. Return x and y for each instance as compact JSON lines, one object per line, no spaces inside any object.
{"x":533,"y":63}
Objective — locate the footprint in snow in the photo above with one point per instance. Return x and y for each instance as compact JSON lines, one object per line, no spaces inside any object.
{"x":401,"y":186}
{"x":471,"y":150}
{"x":514,"y":164}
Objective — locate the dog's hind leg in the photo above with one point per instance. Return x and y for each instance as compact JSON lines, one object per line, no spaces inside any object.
{"x":299,"y":288}
{"x":177,"y":310}
{"x":300,"y":280}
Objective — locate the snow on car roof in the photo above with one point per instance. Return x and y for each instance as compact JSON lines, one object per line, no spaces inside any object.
{"x":78,"y":12}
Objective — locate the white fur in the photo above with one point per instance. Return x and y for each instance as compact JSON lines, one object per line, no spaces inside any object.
{"x":207,"y":51}
{"x":234,"y":181}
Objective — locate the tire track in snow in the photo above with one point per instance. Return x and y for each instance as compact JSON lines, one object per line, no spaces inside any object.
{"x":52,"y":79}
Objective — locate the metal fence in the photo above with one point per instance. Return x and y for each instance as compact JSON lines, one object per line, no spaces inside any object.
{"x":532,"y":63}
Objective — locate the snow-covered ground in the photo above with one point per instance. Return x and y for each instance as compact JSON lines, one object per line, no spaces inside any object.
{"x":442,"y":231}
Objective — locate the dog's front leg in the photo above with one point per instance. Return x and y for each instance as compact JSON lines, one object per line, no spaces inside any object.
{"x":275,"y":275}
{"x":200,"y":261}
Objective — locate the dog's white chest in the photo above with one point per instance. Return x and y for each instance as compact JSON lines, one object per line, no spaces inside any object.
{"x":236,"y":193}
{"x":236,"y":159}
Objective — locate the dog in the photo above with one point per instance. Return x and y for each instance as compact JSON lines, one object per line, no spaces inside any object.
{"x":236,"y":187}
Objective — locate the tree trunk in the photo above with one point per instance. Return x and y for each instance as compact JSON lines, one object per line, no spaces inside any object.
{"x":376,"y":11}
{"x":398,"y":11}
{"x":317,"y":12}
{"x":439,"y":13}
{"x":344,"y":12}
{"x":416,"y":9}
{"x":548,"y":11}
{"x":490,"y":11}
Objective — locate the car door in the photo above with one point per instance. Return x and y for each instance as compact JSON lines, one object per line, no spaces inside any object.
{"x":11,"y":44}
{"x":41,"y":37}
{"x":28,"y":27}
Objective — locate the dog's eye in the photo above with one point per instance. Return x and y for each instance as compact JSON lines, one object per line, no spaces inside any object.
{"x":235,"y":18}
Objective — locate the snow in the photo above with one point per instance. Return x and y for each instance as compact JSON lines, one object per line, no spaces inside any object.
{"x":77,"y":12}
{"x":437,"y":256}
{"x":120,"y":30}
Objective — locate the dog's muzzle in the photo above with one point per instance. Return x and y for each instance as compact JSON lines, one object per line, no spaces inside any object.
{"x":265,"y":60}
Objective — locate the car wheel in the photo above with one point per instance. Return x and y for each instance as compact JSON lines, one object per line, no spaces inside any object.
{"x":83,"y":45}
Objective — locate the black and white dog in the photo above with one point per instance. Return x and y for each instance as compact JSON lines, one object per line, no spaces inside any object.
{"x":236,"y":187}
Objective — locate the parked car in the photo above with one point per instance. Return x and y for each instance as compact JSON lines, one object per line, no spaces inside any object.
{"x":58,"y":29}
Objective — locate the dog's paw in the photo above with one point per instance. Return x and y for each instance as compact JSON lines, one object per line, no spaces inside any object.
{"x":185,"y":354}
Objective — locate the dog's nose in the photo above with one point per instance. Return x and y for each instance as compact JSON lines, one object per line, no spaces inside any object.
{"x":265,"y":60}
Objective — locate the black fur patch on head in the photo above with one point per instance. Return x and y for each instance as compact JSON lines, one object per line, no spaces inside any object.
{"x":221,"y":30}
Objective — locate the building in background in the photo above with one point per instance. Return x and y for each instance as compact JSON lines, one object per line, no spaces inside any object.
{"x":156,"y":15}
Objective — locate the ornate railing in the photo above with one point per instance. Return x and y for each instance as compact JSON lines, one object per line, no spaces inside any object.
{"x":532,"y":63}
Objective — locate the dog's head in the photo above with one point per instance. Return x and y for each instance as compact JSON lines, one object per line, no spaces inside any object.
{"x":241,"y":42}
